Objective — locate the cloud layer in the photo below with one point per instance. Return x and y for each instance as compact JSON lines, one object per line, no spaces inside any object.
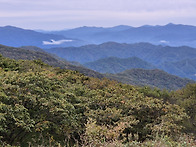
{"x":53,"y":42}
{"x":59,"y":14}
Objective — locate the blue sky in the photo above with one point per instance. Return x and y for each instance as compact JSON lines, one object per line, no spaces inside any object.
{"x":61,"y":14}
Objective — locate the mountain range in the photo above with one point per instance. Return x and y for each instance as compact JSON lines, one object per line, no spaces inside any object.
{"x":156,"y":54}
{"x":170,"y":34}
{"x":169,"y":59}
{"x":16,"y":37}
{"x":164,"y":79}
{"x":144,"y":47}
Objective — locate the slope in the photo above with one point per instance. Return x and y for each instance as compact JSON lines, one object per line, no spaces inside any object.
{"x":153,"y":78}
{"x":182,"y":68}
{"x":29,"y":54}
{"x":116,"y":65}
{"x":45,"y":106}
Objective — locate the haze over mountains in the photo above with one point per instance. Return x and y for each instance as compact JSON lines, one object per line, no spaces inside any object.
{"x":170,"y":34}
{"x":16,"y":37}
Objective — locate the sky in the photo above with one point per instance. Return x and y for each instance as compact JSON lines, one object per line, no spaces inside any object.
{"x":66,"y":14}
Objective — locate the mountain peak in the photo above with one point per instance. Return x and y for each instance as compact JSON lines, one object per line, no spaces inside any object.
{"x":10,"y":27}
{"x":170,"y":24}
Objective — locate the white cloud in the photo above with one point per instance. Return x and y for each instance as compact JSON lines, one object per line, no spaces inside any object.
{"x":164,"y":41}
{"x":53,"y":42}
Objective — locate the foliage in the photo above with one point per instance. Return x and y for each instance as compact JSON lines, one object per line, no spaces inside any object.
{"x":165,"y":141}
{"x":42,"y":105}
{"x":186,"y":98}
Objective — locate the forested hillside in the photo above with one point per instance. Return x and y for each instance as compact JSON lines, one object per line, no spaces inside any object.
{"x":45,"y":106}
{"x":153,"y":78}
{"x":116,"y":65}
{"x":183,"y":68}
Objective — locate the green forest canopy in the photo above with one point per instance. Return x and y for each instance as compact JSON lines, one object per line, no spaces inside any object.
{"x":40,"y":104}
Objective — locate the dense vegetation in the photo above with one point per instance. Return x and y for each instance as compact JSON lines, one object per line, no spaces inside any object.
{"x":42,"y":105}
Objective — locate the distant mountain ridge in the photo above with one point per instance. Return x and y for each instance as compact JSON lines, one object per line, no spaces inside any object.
{"x":89,"y":33}
{"x":170,"y":34}
{"x":90,"y":53}
{"x":16,"y":37}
